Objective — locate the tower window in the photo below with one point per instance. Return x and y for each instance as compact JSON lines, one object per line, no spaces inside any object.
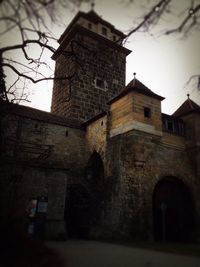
{"x":147,"y":112}
{"x":104,"y":31}
{"x":101,"y":84}
{"x":90,"y":26}
{"x":114,"y":38}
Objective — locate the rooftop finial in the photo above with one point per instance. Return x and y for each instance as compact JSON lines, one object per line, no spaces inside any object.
{"x":134,"y":74}
{"x":92,"y":5}
{"x":188,"y":95}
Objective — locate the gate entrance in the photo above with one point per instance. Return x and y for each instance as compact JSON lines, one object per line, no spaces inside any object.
{"x":76,"y":212}
{"x":83,"y":201}
{"x":172,"y":211}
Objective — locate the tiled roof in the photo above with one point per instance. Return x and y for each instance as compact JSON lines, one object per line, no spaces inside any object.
{"x":137,"y":86}
{"x":39,"y":115}
{"x":187,"y":107}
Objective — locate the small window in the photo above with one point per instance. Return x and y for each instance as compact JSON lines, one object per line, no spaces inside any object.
{"x":114,"y":38}
{"x":90,"y":26}
{"x":99,"y":83}
{"x":104,"y":31}
{"x":147,"y":112}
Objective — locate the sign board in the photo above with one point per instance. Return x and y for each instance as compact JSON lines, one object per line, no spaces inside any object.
{"x":32,"y":208}
{"x":42,"y":205}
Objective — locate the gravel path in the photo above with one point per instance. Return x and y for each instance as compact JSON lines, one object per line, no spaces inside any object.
{"x":78,"y":253}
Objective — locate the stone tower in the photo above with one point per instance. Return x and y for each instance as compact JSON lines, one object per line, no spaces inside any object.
{"x":92,"y":55}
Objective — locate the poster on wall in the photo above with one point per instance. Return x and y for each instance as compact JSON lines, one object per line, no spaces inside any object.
{"x":42,"y":205}
{"x":32,"y":208}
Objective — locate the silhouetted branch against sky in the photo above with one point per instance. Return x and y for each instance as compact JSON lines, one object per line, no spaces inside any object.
{"x":30,"y":21}
{"x":156,"y":10}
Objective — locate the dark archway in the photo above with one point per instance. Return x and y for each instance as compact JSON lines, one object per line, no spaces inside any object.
{"x":83,"y":201}
{"x":76,"y":209}
{"x":95,"y":171}
{"x":173,"y":211}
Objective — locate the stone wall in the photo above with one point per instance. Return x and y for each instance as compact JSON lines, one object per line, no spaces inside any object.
{"x":38,"y":159}
{"x":174,"y":140}
{"x":142,"y":161}
{"x":135,"y":161}
{"x":96,"y":136}
{"x":22,"y":182}
{"x":34,"y":139}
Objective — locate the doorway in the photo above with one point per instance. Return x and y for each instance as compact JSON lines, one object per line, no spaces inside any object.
{"x":172,"y":211}
{"x":76,"y":212}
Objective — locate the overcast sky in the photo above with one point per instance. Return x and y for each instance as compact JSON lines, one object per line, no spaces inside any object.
{"x":164,"y":64}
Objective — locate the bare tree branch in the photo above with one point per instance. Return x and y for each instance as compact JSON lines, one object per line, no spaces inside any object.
{"x":150,"y":17}
{"x":191,"y":17}
{"x":39,"y":80}
{"x":29,"y":18}
{"x":24,"y":44}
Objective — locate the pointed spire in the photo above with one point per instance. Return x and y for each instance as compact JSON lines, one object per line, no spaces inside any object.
{"x":134,"y":74}
{"x":188,"y":95}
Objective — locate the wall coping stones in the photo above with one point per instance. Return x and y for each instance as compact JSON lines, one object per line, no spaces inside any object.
{"x":135,"y":125}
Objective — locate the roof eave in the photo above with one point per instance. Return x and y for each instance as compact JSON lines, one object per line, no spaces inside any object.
{"x":77,"y":29}
{"x":93,"y":119}
{"x":186,"y":113}
{"x":131,"y":89}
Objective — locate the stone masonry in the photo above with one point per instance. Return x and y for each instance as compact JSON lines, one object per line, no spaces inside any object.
{"x":110,"y":163}
{"x":98,"y":69}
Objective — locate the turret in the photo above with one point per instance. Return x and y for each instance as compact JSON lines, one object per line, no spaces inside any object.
{"x":189,"y":112}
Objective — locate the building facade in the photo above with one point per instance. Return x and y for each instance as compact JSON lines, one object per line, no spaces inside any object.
{"x":110,"y":164}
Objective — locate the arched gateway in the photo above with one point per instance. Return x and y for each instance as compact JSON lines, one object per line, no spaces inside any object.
{"x":172,"y":211}
{"x":83,"y":200}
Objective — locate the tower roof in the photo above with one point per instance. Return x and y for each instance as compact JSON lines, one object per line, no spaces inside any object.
{"x":187,"y":107}
{"x":93,"y":17}
{"x":74,"y":28}
{"x":136,"y":86}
